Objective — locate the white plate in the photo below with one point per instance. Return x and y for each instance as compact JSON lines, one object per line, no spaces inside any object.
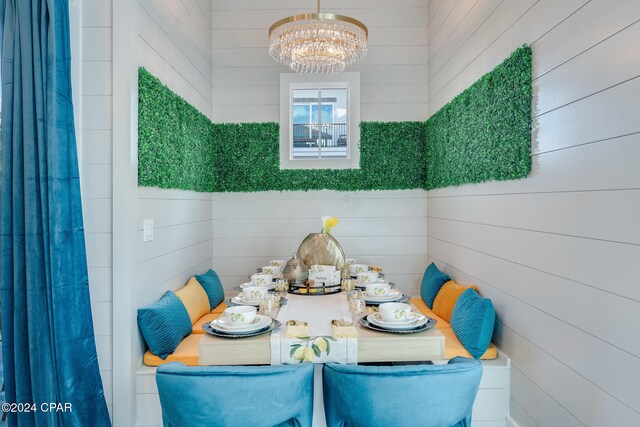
{"x":240,"y":300}
{"x":416,"y":321}
{"x":269,"y":287}
{"x":226,"y":324}
{"x":393,"y":295}
{"x":263,"y":322}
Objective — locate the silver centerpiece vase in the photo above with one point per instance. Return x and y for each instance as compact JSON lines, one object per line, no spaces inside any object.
{"x":321,"y":249}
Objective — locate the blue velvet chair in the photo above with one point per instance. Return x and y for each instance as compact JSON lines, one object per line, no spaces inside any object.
{"x":235,"y":395}
{"x":409,"y":395}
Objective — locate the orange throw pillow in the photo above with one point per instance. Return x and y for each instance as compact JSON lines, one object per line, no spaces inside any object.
{"x":447,"y":297}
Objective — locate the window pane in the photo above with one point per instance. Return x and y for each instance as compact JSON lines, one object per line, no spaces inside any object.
{"x":305,"y":123}
{"x":319,"y":123}
{"x":334,"y":123}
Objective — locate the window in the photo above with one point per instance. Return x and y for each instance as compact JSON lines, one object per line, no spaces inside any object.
{"x":319,"y":121}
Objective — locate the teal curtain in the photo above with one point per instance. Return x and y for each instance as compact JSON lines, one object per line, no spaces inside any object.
{"x":47,"y":331}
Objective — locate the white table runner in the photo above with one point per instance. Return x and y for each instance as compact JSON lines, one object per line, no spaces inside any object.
{"x":320,"y":346}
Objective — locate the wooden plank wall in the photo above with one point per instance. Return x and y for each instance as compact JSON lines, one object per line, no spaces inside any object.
{"x":379,"y":227}
{"x":96,"y":173}
{"x":175,"y":45}
{"x":393,"y":75}
{"x":557,"y":252}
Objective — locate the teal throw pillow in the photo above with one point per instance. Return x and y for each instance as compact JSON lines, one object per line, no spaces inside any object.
{"x":472,"y":321}
{"x":432,"y":281}
{"x":164,"y":324}
{"x":212,"y":286}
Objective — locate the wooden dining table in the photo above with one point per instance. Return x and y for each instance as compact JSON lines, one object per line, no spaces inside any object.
{"x":373,"y":346}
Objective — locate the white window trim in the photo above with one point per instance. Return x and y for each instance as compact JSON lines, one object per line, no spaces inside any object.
{"x":289,"y":81}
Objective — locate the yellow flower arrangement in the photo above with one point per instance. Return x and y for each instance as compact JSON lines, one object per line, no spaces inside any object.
{"x":327,"y":223}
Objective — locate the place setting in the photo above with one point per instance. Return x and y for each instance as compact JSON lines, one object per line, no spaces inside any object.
{"x":240,"y":322}
{"x":393,"y":317}
{"x":378,"y":291}
{"x":254,"y":295}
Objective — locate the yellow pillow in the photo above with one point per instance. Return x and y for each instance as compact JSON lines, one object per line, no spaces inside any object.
{"x":447,"y":297}
{"x":195,"y":299}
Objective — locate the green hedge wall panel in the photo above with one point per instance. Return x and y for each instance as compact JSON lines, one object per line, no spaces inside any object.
{"x":485,"y":132}
{"x":482,"y":134}
{"x":248,"y":159}
{"x":175,"y":140}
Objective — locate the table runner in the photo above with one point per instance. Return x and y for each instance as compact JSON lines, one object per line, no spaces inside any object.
{"x":320,"y":346}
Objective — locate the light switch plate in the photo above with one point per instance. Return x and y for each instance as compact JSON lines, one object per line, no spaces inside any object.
{"x":147,"y":230}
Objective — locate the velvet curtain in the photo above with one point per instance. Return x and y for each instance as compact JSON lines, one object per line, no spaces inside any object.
{"x":47,"y":330}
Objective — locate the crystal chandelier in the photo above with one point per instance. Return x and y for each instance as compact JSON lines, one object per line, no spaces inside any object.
{"x":322,"y":43}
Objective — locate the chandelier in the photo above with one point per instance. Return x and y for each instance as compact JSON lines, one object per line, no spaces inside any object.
{"x":322,"y":43}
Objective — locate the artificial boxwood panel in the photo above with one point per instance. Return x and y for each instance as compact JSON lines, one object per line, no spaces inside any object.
{"x":248,"y":159}
{"x":485,"y":132}
{"x":175,"y":140}
{"x":482,"y":134}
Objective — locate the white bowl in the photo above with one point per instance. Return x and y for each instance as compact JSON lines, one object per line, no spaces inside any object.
{"x":394,"y":311}
{"x":378,"y":289}
{"x":279,"y":262}
{"x":260,"y":279}
{"x":254,"y":293}
{"x":273,"y":270}
{"x":354,"y":269}
{"x":367,"y":277}
{"x":239,"y":315}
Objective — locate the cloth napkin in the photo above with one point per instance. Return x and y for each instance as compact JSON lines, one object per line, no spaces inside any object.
{"x":295,"y":331}
{"x":340,"y":331}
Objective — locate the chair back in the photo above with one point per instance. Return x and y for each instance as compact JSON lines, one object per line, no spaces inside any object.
{"x":408,"y":395}
{"x":235,"y":395}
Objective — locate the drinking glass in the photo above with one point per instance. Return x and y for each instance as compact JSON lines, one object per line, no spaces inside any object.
{"x":354,"y":293}
{"x":282,"y":286}
{"x":269,"y":305}
{"x":357,"y":303}
{"x":348,"y":285}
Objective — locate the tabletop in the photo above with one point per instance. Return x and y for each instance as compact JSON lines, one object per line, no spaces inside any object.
{"x":373,"y":346}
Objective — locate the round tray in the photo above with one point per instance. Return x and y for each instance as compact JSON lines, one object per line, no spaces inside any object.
{"x":304,"y":289}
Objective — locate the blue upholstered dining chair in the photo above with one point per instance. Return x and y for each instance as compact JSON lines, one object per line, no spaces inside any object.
{"x":235,"y":395}
{"x":408,"y":395}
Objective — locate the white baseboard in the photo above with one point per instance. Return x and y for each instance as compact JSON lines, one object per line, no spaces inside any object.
{"x":510,"y":422}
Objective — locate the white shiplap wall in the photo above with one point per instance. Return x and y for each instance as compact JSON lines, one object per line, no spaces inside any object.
{"x":175,"y":45}
{"x":386,"y":228}
{"x":379,"y":227}
{"x":96,"y":166}
{"x":557,"y":252}
{"x":393,"y":75}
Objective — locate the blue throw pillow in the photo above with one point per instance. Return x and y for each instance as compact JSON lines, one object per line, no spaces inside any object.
{"x":472,"y":321}
{"x":212,"y":286}
{"x":432,"y":281}
{"x":164,"y":324}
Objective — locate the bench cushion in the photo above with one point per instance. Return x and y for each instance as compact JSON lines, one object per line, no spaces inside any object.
{"x":472,"y":320}
{"x":220,"y":308}
{"x":207,"y":318}
{"x":422,"y":307}
{"x":212,"y":286}
{"x":195,"y":299}
{"x":164,"y":324}
{"x":447,"y":297}
{"x":452,"y":345}
{"x":432,"y":281}
{"x":188,"y":352}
